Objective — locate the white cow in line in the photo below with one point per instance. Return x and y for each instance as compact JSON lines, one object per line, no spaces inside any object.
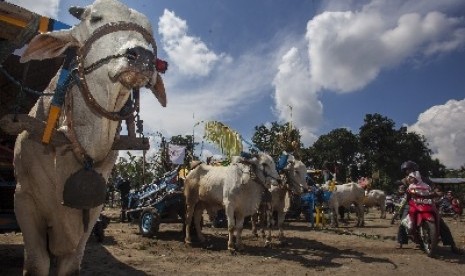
{"x":376,"y":198}
{"x":293,"y":181}
{"x":345,"y":195}
{"x":237,"y":188}
{"x":50,"y":228}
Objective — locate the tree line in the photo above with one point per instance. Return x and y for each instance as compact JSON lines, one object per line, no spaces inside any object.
{"x":377,"y":151}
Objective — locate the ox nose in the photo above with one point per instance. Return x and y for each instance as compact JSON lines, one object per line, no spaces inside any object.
{"x":141,"y":58}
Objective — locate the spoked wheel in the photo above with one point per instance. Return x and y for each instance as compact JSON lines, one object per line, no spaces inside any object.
{"x":429,"y":237}
{"x":149,"y":223}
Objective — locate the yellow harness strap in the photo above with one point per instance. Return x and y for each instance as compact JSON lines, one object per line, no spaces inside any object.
{"x":52,"y":119}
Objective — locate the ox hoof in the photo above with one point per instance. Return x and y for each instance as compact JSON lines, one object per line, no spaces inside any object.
{"x":283,"y":243}
{"x":208,"y":246}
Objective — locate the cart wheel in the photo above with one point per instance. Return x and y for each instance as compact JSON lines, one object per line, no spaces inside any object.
{"x":149,"y":223}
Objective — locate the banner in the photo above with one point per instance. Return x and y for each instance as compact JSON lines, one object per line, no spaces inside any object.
{"x":177,"y":154}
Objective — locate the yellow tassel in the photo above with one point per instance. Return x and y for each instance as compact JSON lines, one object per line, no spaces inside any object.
{"x":51,"y":123}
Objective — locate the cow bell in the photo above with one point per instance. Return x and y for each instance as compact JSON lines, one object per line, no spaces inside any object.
{"x":84,"y":189}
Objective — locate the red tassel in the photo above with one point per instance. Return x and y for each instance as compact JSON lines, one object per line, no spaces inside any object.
{"x":161,"y":65}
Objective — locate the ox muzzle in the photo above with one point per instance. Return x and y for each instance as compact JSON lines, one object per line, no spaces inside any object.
{"x":141,"y":58}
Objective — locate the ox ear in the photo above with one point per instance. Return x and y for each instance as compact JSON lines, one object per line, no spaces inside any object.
{"x":76,"y":12}
{"x":48,"y":45}
{"x":291,"y":158}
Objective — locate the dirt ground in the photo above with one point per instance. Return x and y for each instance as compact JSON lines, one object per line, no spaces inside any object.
{"x":360,"y":251}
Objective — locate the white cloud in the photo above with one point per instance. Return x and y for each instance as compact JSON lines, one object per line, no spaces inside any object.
{"x":352,"y":42}
{"x":443,"y":127}
{"x":221,"y":94}
{"x":295,"y":96}
{"x":189,"y":54}
{"x":47,"y":8}
{"x":347,"y":50}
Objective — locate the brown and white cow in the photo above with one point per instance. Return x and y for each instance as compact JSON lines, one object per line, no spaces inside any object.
{"x":237,"y":188}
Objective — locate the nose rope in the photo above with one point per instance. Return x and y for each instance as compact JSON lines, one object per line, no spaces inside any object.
{"x":89,"y":69}
{"x":82,"y":71}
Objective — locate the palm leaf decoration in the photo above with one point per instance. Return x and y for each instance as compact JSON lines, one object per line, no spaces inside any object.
{"x":227,"y":139}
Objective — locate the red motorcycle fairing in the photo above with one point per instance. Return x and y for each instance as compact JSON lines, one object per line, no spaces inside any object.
{"x":421,"y":209}
{"x":421,"y":216}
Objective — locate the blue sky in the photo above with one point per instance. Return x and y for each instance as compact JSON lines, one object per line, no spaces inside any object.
{"x":246,"y":63}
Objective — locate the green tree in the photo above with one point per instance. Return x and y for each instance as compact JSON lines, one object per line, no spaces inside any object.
{"x":378,"y":145}
{"x":277,"y":138}
{"x":339,"y":145}
{"x":384,"y":149}
{"x":412,"y":146}
{"x":132,"y":168}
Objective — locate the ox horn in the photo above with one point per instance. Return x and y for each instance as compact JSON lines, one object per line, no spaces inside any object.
{"x":76,"y":12}
{"x":159,"y":90}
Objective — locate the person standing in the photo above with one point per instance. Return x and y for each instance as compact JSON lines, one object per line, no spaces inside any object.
{"x":124,"y":187}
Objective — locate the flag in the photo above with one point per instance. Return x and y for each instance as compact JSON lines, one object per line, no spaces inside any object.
{"x":177,"y":154}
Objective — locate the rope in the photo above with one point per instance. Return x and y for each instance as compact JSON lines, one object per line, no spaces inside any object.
{"x":18,"y":83}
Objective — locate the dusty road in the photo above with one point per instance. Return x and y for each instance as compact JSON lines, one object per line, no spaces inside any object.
{"x":348,"y":250}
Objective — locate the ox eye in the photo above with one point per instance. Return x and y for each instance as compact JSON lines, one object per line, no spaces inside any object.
{"x":95,"y":19}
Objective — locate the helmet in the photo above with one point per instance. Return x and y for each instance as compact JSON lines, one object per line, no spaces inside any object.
{"x":409,"y":165}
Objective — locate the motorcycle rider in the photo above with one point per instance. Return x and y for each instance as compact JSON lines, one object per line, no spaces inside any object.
{"x":411,"y":168}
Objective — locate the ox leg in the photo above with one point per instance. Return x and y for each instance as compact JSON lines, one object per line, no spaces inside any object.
{"x":266,"y":221}
{"x":239,"y":226}
{"x":197,"y":222}
{"x":254,"y":221}
{"x":34,"y":229}
{"x":281,"y":217}
{"x":70,"y":264}
{"x":231,"y":227}
{"x":360,"y":215}
{"x":335,"y":216}
{"x":383,"y":211}
{"x":190,"y":208}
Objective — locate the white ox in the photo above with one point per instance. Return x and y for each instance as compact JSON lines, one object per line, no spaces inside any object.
{"x":293,"y":182}
{"x":345,"y":195}
{"x":49,"y":228}
{"x":237,"y":188}
{"x":376,"y":198}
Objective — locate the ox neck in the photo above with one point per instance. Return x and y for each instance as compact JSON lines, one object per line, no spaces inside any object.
{"x":91,"y":134}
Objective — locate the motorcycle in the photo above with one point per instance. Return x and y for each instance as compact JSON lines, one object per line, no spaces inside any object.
{"x":422,"y":222}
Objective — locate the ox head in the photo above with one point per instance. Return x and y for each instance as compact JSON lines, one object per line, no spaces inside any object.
{"x":295,"y":173}
{"x":117,"y":48}
{"x":265,"y":169}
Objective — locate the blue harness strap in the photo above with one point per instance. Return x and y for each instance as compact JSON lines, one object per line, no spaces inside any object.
{"x":282,"y":161}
